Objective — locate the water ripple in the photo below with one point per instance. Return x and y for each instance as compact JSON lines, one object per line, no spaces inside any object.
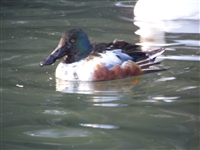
{"x":110,"y":105}
{"x":184,"y":57}
{"x":101,"y":126}
{"x":126,"y":4}
{"x":166,"y":78}
{"x":55,"y":112}
{"x":187,"y":88}
{"x":58,"y":133}
{"x":163,"y":98}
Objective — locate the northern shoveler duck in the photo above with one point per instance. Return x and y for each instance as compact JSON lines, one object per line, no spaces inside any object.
{"x":101,"y":61}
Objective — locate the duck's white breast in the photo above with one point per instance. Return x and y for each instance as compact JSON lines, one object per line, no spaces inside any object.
{"x":75,"y":71}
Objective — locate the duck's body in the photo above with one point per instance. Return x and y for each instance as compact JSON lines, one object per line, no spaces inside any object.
{"x":107,"y":66}
{"x":99,"y":62}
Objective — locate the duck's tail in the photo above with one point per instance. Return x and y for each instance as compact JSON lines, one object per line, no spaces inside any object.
{"x":148,"y":61}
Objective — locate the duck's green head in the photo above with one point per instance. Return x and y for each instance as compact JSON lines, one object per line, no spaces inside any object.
{"x":73,"y":43}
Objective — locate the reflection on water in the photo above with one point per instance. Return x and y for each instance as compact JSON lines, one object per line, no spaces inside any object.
{"x":101,"y":126}
{"x":55,"y":112}
{"x":102,"y":98}
{"x":110,"y":87}
{"x":110,"y":105}
{"x":186,"y":58}
{"x":187,"y":88}
{"x":166,"y":79}
{"x":152,"y":34}
{"x":58,"y":133}
{"x":162,"y":98}
{"x":109,"y":90}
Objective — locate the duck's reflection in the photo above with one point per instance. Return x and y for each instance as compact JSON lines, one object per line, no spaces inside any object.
{"x":108,"y":87}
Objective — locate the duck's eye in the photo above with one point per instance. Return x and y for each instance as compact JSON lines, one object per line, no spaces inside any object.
{"x":72,"y":40}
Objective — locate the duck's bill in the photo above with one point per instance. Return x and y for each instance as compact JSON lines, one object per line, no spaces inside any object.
{"x":58,"y":53}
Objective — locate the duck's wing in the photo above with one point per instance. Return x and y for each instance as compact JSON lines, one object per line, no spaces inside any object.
{"x":132,"y":50}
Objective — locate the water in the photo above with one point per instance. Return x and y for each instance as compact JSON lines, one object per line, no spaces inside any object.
{"x":154,"y":111}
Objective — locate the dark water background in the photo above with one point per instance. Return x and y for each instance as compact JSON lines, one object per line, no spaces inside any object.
{"x":154,"y":111}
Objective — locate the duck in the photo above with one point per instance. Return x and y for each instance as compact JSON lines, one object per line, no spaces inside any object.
{"x":84,"y":61}
{"x":156,"y":10}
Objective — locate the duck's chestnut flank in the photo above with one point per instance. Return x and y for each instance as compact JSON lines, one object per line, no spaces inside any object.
{"x":128,"y":69}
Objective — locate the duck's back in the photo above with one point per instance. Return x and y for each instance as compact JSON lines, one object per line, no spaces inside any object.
{"x":132,"y":50}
